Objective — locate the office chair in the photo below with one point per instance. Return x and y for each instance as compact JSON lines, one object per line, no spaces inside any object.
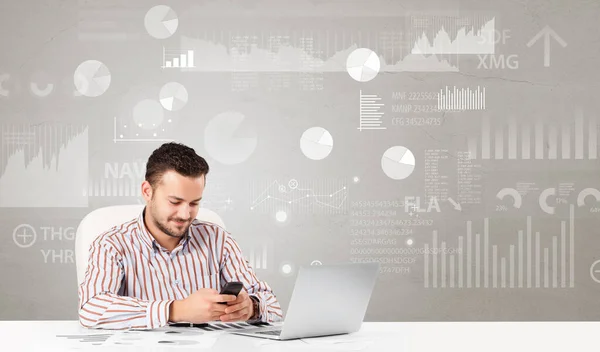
{"x":102,"y":219}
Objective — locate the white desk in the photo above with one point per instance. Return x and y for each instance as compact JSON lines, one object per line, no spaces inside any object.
{"x":430,"y":337}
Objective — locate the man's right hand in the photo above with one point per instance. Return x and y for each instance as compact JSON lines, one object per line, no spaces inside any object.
{"x":199,"y":307}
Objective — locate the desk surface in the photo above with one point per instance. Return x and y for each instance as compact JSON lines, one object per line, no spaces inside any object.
{"x":445,"y":336}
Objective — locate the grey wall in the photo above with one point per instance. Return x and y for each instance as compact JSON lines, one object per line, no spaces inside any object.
{"x":62,"y":153}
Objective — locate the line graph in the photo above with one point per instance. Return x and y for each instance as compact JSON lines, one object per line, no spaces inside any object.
{"x":472,"y":37}
{"x":270,"y":47}
{"x":120,"y":138}
{"x":43,"y":165}
{"x":245,"y":54}
{"x":309,"y":197}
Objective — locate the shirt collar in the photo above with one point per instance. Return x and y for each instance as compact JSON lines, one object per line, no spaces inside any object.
{"x":149,"y":240}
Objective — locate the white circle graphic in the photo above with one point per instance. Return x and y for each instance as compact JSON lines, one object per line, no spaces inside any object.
{"x":173,"y":96}
{"x":161,"y":22}
{"x":316,"y":143}
{"x":363,"y":64}
{"x":230,"y":138}
{"x":24,"y":235}
{"x":92,"y":78}
{"x":148,"y":114}
{"x":398,"y":162}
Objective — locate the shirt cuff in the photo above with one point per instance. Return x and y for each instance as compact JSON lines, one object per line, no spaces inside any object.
{"x":158,"y":313}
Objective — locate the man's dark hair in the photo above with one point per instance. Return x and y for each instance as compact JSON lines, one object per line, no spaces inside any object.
{"x":177,"y":157}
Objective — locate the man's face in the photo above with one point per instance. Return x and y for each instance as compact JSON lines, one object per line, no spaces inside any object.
{"x":175,"y":202}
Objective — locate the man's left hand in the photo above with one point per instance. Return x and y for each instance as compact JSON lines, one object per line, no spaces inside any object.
{"x":241,"y":309}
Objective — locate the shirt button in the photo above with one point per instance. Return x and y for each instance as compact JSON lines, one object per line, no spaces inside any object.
{"x":176,"y":282}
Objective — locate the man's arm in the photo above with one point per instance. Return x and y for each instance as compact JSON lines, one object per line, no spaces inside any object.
{"x":99,"y":304}
{"x":235,"y":268}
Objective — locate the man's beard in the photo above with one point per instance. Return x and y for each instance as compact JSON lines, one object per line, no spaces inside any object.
{"x":169,"y":232}
{"x":164,"y":228}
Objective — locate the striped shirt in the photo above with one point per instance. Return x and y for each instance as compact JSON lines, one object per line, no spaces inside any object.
{"x":131,"y":280}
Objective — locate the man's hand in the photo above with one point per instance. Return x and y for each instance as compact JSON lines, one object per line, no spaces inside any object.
{"x":241,"y":309}
{"x":200,"y":307}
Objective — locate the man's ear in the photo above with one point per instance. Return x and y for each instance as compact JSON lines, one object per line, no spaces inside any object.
{"x":147,"y":191}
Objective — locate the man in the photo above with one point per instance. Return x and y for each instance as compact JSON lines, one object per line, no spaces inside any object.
{"x":166,"y":266}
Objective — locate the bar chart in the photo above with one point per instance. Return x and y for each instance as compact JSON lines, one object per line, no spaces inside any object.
{"x":527,"y":265}
{"x":258,"y":257}
{"x":116,"y":187}
{"x":461,"y":99}
{"x":551,"y":141}
{"x":370,"y":114}
{"x":178,"y":58}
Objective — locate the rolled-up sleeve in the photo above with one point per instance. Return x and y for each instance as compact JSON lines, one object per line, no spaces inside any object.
{"x":235,"y":268}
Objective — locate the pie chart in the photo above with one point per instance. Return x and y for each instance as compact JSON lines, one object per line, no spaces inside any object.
{"x":316,"y":143}
{"x":398,"y":162}
{"x":161,"y":22}
{"x":230,"y":138}
{"x":173,"y":96}
{"x":92,"y":78}
{"x":363,"y":64}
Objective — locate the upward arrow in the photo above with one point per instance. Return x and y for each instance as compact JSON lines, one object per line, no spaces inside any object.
{"x":546,"y":33}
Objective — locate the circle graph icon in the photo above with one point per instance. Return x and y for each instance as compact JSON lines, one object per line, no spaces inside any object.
{"x":230,"y":138}
{"x":92,"y":78}
{"x":363,"y":64}
{"x":161,"y":22}
{"x":398,"y":162}
{"x":316,"y":143}
{"x":24,"y":235}
{"x":173,"y":96}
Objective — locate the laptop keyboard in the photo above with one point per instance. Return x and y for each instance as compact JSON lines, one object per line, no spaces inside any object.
{"x":270,"y":332}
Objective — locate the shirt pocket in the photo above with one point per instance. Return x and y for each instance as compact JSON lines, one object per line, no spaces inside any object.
{"x":209,"y":281}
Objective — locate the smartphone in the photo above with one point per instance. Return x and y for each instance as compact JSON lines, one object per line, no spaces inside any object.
{"x":232,"y":288}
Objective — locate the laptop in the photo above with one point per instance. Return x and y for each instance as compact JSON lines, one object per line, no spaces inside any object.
{"x":327,"y":300}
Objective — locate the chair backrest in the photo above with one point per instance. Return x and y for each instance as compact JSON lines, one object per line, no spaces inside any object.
{"x":102,"y":219}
